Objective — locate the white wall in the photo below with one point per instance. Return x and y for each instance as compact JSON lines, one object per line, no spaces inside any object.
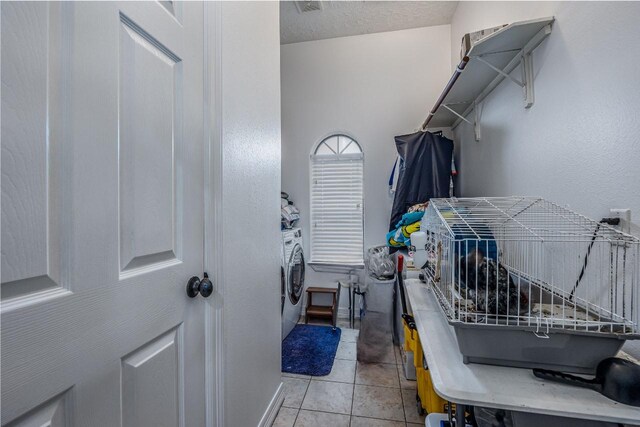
{"x":247,"y":94}
{"x":578,"y":145}
{"x":372,"y":87}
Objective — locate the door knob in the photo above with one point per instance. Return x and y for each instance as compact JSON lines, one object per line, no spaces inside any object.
{"x":195,"y":286}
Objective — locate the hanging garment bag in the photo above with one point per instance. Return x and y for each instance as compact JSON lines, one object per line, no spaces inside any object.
{"x":425,"y":171}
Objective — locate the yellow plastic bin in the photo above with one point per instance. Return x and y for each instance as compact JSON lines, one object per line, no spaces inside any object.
{"x":413,"y":343}
{"x":429,"y":400}
{"x":410,"y":338}
{"x":418,"y":354}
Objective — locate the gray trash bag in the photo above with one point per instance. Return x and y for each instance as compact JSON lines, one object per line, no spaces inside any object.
{"x":379,"y":263}
{"x":375,"y":342}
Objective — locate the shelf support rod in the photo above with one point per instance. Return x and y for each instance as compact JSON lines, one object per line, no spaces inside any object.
{"x":461,"y":117}
{"x":498,"y":52}
{"x":475,"y":123}
{"x":499,"y":71}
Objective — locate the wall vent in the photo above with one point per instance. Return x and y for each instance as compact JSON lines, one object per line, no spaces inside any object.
{"x":308,"y":6}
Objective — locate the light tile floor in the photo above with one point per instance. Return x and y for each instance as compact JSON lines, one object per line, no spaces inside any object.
{"x":354,"y":394}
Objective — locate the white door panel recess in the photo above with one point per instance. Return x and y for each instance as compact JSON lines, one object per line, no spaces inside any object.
{"x":102,"y":214}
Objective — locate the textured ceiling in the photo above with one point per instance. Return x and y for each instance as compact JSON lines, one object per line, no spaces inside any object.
{"x":349,"y":18}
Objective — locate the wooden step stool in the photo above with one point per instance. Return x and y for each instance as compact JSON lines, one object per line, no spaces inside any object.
{"x":323,"y":311}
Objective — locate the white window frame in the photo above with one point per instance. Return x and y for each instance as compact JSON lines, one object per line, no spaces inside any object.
{"x":337,"y":262}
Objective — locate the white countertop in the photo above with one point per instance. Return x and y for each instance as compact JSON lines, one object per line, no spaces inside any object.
{"x":514,"y":389}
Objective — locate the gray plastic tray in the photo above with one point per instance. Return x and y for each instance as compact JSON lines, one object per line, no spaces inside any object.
{"x":518,"y":346}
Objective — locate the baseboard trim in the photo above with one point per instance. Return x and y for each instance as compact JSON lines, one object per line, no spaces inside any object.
{"x":274,"y":406}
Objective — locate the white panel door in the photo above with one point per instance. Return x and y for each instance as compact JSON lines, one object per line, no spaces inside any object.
{"x":102,"y":214}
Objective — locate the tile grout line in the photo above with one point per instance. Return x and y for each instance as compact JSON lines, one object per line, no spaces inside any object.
{"x":295,"y":419}
{"x":404,"y":410}
{"x":347,"y":415}
{"x":353,"y":392}
{"x":402,"y":390}
{"x":301,"y":402}
{"x":381,"y":385}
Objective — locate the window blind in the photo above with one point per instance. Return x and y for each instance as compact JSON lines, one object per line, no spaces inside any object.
{"x":337,"y":222}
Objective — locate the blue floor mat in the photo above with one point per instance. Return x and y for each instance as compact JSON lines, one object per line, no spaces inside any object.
{"x":310,"y":350}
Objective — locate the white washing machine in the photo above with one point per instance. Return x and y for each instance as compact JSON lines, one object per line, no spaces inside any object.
{"x":292,"y":282}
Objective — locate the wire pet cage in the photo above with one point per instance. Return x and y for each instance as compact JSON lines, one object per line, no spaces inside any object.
{"x":528,"y":283}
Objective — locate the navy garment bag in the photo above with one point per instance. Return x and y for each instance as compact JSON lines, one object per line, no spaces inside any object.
{"x":425,"y":171}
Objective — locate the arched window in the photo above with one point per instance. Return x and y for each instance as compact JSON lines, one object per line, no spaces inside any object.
{"x":337,"y":211}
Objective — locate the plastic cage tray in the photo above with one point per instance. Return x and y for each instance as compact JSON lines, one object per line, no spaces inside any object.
{"x":535,"y":346}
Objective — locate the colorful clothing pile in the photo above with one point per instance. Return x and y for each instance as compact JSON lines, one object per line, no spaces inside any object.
{"x":400,"y":236}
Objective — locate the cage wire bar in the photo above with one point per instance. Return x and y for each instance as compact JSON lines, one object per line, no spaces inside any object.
{"x":529,"y":263}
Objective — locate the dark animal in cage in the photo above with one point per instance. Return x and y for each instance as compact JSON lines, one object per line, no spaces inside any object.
{"x":489,"y":286}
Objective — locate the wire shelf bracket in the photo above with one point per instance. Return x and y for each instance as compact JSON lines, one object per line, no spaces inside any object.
{"x":475,"y":123}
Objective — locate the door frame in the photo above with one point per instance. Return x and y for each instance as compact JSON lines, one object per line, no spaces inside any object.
{"x":214,"y":309}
